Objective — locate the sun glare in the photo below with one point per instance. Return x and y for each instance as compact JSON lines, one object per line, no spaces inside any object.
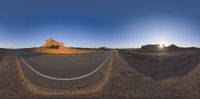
{"x":161,"y":45}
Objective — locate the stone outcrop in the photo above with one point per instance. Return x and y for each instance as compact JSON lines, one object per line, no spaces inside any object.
{"x":173,"y":46}
{"x":52,"y":44}
{"x":54,"y":47}
{"x":156,"y":46}
{"x":152,"y":46}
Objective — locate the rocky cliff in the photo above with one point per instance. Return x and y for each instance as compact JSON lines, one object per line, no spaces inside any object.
{"x":54,"y":47}
{"x":52,"y":44}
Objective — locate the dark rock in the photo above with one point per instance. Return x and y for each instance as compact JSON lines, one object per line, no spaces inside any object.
{"x":173,"y":46}
{"x":156,"y":46}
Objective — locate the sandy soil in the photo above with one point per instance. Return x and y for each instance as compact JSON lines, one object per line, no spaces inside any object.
{"x":10,"y":83}
{"x":62,"y":51}
{"x":160,"y":65}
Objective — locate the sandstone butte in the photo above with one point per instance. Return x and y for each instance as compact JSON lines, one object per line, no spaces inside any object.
{"x":53,"y":47}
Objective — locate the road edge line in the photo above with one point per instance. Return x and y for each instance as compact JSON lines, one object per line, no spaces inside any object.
{"x":37,"y":90}
{"x":66,"y":79}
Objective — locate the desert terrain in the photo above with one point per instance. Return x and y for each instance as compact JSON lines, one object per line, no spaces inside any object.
{"x":135,"y":74}
{"x":54,"y":47}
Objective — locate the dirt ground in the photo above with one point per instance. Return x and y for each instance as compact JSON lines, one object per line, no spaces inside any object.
{"x":127,"y":82}
{"x":10,"y":84}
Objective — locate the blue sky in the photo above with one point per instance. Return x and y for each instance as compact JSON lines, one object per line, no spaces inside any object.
{"x":95,"y":23}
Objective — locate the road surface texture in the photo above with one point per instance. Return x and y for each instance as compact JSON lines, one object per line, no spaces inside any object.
{"x":64,"y":71}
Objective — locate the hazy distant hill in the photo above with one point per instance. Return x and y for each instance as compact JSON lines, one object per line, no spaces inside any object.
{"x":150,"y":46}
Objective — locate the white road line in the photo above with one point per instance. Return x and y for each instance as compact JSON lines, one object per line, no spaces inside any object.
{"x":65,"y":79}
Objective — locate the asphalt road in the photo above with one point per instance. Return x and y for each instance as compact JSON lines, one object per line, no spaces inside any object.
{"x":64,"y":66}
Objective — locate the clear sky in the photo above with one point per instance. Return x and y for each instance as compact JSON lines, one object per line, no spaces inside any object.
{"x":94,"y":23}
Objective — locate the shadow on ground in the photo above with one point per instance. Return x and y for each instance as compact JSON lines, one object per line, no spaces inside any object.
{"x":159,"y":68}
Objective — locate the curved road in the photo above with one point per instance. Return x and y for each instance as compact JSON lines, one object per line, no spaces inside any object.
{"x":87,"y":68}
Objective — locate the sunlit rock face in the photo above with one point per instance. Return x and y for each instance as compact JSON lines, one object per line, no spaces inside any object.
{"x":52,"y":44}
{"x":54,"y":47}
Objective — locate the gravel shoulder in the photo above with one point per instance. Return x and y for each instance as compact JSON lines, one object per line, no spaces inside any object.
{"x":10,"y":83}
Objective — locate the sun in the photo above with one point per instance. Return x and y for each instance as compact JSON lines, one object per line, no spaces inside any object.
{"x":161,"y":45}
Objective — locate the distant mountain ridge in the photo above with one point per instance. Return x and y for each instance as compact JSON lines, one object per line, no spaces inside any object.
{"x":157,"y":46}
{"x":172,"y":46}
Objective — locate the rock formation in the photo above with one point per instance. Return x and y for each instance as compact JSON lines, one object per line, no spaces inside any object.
{"x":156,"y":46}
{"x":173,"y":46}
{"x":54,"y":47}
{"x":52,"y":44}
{"x":153,"y":46}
